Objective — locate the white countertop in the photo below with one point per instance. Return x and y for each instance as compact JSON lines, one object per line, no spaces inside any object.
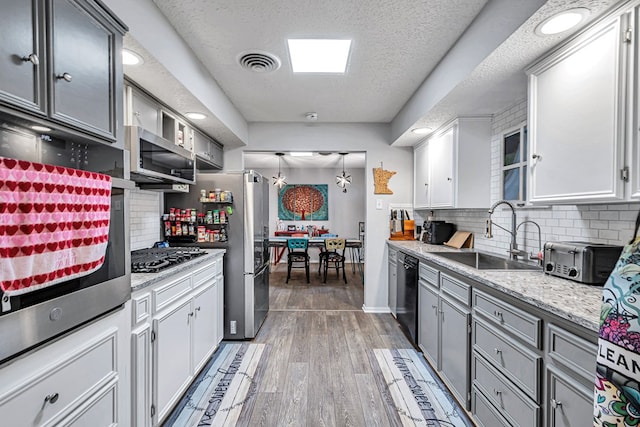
{"x":142,"y":280}
{"x":567,"y":299}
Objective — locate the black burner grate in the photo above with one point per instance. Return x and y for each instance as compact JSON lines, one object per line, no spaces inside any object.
{"x":156,"y":259}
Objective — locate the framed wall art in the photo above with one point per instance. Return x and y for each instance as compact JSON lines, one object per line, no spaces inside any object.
{"x":303,"y":202}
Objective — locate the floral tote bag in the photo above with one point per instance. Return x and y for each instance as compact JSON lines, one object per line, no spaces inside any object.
{"x":617,"y":383}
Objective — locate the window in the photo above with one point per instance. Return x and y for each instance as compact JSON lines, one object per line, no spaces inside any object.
{"x":514,"y":164}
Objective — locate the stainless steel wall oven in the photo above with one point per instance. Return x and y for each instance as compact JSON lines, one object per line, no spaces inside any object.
{"x":33,"y":318}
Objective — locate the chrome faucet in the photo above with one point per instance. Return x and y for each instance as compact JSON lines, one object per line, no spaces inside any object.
{"x":513,"y":248}
{"x":536,"y":256}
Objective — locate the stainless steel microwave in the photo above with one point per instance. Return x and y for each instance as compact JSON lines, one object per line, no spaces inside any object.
{"x":157,"y":160}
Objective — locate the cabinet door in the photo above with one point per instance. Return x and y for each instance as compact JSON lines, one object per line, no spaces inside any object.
{"x":393,"y":287}
{"x":220,"y":307}
{"x":441,"y":153}
{"x":83,"y":80}
{"x":421,"y":176}
{"x":141,"y":375}
{"x":576,"y":110}
{"x":21,"y":73}
{"x":428,"y":324}
{"x":455,"y":348}
{"x":172,"y":356}
{"x":570,"y":404}
{"x":144,"y":112}
{"x":204,"y":328}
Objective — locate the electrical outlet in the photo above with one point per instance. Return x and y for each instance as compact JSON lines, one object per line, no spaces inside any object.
{"x":378,"y":203}
{"x":233,"y":327}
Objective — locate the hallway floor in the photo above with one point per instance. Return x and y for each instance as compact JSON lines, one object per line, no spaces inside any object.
{"x":317,"y":370}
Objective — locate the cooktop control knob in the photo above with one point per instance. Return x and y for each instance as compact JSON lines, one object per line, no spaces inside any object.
{"x":549,"y":266}
{"x":573,"y":272}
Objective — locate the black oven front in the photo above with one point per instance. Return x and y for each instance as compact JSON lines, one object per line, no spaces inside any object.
{"x":30,"y":319}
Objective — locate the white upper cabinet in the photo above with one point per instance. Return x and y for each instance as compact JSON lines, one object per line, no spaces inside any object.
{"x":452,"y":169}
{"x":578,"y":117}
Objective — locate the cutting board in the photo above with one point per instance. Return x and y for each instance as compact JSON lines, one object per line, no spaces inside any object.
{"x":461,"y":239}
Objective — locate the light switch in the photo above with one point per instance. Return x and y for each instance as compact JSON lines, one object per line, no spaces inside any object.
{"x":378,"y":203}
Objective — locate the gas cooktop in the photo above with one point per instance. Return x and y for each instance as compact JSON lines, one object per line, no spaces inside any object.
{"x":156,"y":259}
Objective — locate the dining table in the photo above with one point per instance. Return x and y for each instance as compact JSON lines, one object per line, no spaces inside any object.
{"x":279,"y":245}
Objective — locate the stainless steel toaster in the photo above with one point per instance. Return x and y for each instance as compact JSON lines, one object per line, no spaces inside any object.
{"x":584,"y":262}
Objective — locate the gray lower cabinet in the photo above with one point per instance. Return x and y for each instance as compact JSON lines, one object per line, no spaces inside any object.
{"x":443,"y":329}
{"x":61,"y":59}
{"x":393,"y":280}
{"x":570,"y":402}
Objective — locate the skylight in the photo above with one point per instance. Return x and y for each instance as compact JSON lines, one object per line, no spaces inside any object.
{"x":318,"y":55}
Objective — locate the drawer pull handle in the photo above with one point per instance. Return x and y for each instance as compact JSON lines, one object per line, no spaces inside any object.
{"x":498,"y":314}
{"x":497,"y":350}
{"x":497,"y":392}
{"x":52,"y":398}
{"x":32,"y":57}
{"x":64,"y":76}
{"x":555,"y":404}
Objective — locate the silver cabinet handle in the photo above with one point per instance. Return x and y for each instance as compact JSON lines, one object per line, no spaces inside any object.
{"x":555,"y":404}
{"x":536,"y":156}
{"x":52,"y":398}
{"x":64,"y":76}
{"x":449,"y":179}
{"x":33,"y":58}
{"x":497,"y":350}
{"x":197,"y":308}
{"x":497,"y":392}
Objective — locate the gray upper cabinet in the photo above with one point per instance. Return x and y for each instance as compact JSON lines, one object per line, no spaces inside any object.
{"x":60,"y":59}
{"x":208,"y":152}
{"x":20,"y":55}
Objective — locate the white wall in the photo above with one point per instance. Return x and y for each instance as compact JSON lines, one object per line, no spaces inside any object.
{"x":598,"y":223}
{"x":371,"y":138}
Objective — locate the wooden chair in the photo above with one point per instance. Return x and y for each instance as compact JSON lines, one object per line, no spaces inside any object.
{"x":333,"y":256}
{"x":322,"y":250}
{"x":298,"y":255}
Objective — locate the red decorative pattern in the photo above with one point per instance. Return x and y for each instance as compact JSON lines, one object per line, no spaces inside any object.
{"x":54,"y":224}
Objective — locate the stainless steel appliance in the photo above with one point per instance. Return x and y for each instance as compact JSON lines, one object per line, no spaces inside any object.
{"x":33,"y":318}
{"x":246,"y":263}
{"x":407,"y":295}
{"x":437,"y":232}
{"x":584,"y":262}
{"x":156,"y":160}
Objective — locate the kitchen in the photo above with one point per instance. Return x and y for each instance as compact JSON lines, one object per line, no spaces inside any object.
{"x":388,"y":141}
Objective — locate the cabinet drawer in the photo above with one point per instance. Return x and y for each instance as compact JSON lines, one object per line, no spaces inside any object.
{"x":519,"y":364}
{"x":507,"y":399}
{"x":49,"y":394}
{"x":510,"y":318}
{"x":100,"y":410}
{"x":170,"y":292}
{"x":140,"y":308}
{"x":205,"y":275}
{"x":428,"y":273}
{"x":485,"y":415}
{"x":573,"y":352}
{"x":457,"y":289}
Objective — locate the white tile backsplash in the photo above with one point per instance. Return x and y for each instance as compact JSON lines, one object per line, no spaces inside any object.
{"x":601,"y":223}
{"x":144,"y":218}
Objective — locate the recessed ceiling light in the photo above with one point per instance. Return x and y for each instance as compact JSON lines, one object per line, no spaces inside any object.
{"x":421,"y":131}
{"x":319,"y":55}
{"x":562,"y":21}
{"x":41,"y":128}
{"x":131,"y":58}
{"x":195,"y":116}
{"x":301,"y":153}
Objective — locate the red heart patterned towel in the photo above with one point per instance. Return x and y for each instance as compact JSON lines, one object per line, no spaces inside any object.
{"x":54,"y":224}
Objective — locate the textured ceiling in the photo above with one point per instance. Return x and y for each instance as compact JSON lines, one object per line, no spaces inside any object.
{"x":260,"y":160}
{"x":396,"y":43}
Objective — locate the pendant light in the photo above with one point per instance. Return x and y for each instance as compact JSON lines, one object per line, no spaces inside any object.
{"x":279,"y":181}
{"x":343,"y":180}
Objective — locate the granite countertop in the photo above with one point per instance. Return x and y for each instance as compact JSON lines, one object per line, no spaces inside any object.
{"x":142,"y":280}
{"x":567,"y":299}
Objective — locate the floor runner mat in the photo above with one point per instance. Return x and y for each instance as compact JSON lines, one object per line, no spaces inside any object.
{"x":217,"y":396}
{"x":412,"y":391}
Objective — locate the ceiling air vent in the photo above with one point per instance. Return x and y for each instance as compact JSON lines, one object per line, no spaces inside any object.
{"x":259,"y":62}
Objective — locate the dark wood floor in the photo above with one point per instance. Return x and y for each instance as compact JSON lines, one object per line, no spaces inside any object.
{"x":318,"y":372}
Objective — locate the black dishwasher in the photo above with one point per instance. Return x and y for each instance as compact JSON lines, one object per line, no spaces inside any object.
{"x":407,"y":295}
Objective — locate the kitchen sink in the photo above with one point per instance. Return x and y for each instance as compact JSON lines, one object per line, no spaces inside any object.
{"x":484,"y":261}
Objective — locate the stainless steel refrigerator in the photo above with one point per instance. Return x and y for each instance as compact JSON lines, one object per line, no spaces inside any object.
{"x":246,"y":262}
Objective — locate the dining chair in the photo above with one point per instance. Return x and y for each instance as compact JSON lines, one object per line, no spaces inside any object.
{"x":298,"y":255}
{"x":322,"y":250}
{"x":333,"y":256}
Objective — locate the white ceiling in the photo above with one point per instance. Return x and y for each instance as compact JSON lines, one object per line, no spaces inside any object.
{"x":396,"y":46}
{"x":263,"y":160}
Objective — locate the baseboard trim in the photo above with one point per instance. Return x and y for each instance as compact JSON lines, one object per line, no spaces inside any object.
{"x":375,"y":310}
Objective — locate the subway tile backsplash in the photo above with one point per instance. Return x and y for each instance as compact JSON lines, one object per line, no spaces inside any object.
{"x":145,"y":218}
{"x":601,"y":223}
